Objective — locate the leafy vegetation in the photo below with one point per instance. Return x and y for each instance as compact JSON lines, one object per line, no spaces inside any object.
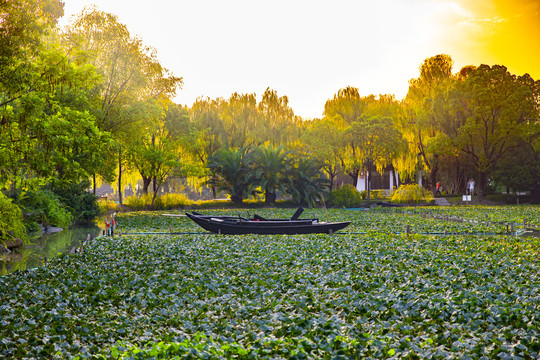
{"x":346,"y":196}
{"x":250,"y":171}
{"x":43,"y":207}
{"x":81,"y":204}
{"x":229,"y":171}
{"x":411,"y":194}
{"x":374,"y":294}
{"x":164,"y":202}
{"x":11,"y":224}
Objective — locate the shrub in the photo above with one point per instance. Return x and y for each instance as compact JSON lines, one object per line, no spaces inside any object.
{"x":378,"y":194}
{"x":11,"y":220}
{"x":105,"y":205}
{"x":171,"y":201}
{"x":138,"y":203}
{"x":43,"y":207}
{"x":81,"y":203}
{"x":345,"y":196}
{"x":165,"y":202}
{"x":411,"y":194}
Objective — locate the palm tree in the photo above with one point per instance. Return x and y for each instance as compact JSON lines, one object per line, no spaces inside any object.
{"x":269,"y":169}
{"x":229,"y":170}
{"x":306,"y":182}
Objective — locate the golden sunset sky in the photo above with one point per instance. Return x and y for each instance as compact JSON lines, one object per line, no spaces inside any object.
{"x":309,"y":49}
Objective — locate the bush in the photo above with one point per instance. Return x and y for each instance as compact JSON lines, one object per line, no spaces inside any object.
{"x":378,"y":194}
{"x":11,"y":220}
{"x":81,"y":203}
{"x":138,"y":203}
{"x":411,"y":194}
{"x":171,"y":201}
{"x":165,"y":202}
{"x":105,"y":205}
{"x":345,"y":196}
{"x":43,"y":207}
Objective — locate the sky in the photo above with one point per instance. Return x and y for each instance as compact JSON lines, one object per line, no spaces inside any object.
{"x":309,"y":49}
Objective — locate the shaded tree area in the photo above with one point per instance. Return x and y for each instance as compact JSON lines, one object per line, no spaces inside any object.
{"x":264,"y":169}
{"x":480,"y":118}
{"x":134,"y":87}
{"x":49,"y":140}
{"x":71,"y":101}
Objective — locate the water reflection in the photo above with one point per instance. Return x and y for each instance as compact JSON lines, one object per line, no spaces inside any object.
{"x":46,"y":246}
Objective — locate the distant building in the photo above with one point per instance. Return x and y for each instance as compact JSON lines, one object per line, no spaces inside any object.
{"x":388,"y":180}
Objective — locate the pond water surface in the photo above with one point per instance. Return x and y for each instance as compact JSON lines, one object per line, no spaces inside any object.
{"x":46,"y":247}
{"x":51,"y":245}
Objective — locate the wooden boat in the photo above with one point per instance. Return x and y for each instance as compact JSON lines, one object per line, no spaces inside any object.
{"x":231,"y":225}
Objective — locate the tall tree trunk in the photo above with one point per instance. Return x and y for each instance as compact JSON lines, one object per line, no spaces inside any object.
{"x":146,"y":184}
{"x":354,"y":175}
{"x":332,"y":178}
{"x":481,"y":184}
{"x":94,"y":183}
{"x":368,"y":183}
{"x":120,"y":177}
{"x":154,"y":195}
{"x":434,"y":172}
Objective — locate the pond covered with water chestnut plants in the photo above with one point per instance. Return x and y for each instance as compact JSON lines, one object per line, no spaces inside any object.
{"x":372,"y":291}
{"x":45,"y":247}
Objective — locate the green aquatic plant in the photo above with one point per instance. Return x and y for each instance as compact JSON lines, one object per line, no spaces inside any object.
{"x":361,"y":294}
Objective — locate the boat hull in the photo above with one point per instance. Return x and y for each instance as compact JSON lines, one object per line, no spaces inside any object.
{"x":289,"y":227}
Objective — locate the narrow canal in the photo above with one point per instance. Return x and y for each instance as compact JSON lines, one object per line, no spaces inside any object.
{"x":46,"y":247}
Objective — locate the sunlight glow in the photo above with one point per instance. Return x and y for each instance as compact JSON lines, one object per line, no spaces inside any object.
{"x":308,"y":50}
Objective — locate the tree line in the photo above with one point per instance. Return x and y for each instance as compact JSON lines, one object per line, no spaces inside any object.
{"x":91,"y":101}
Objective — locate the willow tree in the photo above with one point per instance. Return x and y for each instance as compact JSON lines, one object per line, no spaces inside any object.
{"x":419,"y":124}
{"x":347,"y":107}
{"x":240,"y":118}
{"x":98,"y":38}
{"x":277,"y":123}
{"x":130,"y":74}
{"x":206,"y":118}
{"x":379,"y":143}
{"x":323,"y":141}
{"x":161,"y":150}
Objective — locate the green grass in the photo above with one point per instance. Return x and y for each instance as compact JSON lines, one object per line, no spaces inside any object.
{"x":373,"y":294}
